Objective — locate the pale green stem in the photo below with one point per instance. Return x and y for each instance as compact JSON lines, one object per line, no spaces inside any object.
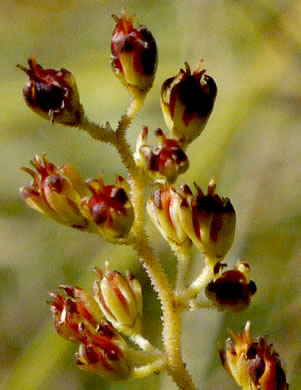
{"x":171,"y":316}
{"x":141,"y":357}
{"x":200,"y":282}
{"x":100,"y":133}
{"x":121,"y":240}
{"x":144,"y":344}
{"x":122,"y":145}
{"x":200,"y":304}
{"x":132,"y":111}
{"x":154,"y":367}
{"x":127,"y":158}
{"x":182,"y":253}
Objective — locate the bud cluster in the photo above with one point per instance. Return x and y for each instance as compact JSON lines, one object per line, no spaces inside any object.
{"x":60,"y":193}
{"x":208,"y":220}
{"x":96,"y":321}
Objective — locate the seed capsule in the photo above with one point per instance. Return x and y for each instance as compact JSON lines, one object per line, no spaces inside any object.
{"x":56,"y":192}
{"x":134,"y":55}
{"x":52,"y":94}
{"x":232,"y":290}
{"x":187,"y":101}
{"x":109,"y":208}
{"x":253,"y":364}
{"x":120,"y":300}
{"x":163,"y":163}
{"x":164,"y":209}
{"x":209,"y":220}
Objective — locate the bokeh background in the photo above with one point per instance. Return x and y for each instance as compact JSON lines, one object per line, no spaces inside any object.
{"x":252,"y":146}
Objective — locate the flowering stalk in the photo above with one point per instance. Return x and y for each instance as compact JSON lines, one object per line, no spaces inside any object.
{"x":107,"y":325}
{"x":150,"y":368}
{"x":121,"y":143}
{"x":183,"y":254}
{"x":171,"y":317}
{"x":100,"y":133}
{"x":192,"y":291}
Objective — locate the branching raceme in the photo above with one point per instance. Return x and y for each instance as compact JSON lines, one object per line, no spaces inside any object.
{"x":107,"y":325}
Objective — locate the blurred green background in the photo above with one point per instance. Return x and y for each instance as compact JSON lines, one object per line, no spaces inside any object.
{"x":252,"y":145}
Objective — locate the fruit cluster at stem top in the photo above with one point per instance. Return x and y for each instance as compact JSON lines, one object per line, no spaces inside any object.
{"x":107,"y":325}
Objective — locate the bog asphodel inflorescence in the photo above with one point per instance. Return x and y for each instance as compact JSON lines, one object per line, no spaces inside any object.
{"x":107,"y":325}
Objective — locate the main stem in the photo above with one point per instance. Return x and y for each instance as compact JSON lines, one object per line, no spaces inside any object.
{"x":171,"y":315}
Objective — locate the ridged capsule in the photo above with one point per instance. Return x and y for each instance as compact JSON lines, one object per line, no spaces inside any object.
{"x":253,"y":363}
{"x":134,"y":54}
{"x":187,"y":101}
{"x":56,"y":191}
{"x":52,"y":94}
{"x":163,"y":163}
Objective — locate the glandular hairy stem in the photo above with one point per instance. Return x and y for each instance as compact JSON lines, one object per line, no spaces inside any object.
{"x":182,"y":253}
{"x":171,"y":315}
{"x":100,"y":133}
{"x":121,"y":143}
{"x":144,"y":344}
{"x":154,"y":367}
{"x":200,"y":282}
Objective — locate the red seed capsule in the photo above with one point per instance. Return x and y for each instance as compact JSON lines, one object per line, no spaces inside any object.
{"x":134,"y":54}
{"x":187,"y":101}
{"x":253,"y":363}
{"x":52,"y":94}
{"x":163,"y":163}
